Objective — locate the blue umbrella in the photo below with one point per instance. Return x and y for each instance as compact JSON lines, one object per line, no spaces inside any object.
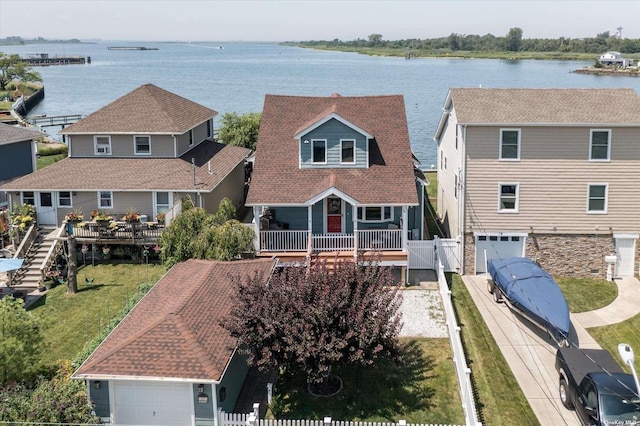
{"x":10,"y":264}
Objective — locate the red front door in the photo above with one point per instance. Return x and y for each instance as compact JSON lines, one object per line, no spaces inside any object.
{"x":334,"y":215}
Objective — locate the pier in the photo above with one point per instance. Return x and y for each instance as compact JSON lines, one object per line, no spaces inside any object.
{"x":43,"y":59}
{"x":57,"y":120}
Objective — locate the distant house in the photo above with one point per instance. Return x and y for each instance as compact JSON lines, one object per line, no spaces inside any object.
{"x":545,"y":173}
{"x":614,"y":58}
{"x":335,"y":175}
{"x":18,"y":148}
{"x":169,"y":361}
{"x":145,"y":151}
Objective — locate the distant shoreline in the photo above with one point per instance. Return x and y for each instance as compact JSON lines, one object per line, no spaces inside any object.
{"x":623,"y":72}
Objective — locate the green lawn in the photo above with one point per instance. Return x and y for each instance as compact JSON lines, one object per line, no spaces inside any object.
{"x":45,"y":160}
{"x":587,"y":294}
{"x":69,"y":321}
{"x":500,"y":400}
{"x":421,"y":389}
{"x":624,"y":332}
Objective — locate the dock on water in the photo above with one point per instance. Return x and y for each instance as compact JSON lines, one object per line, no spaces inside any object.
{"x":43,"y":59}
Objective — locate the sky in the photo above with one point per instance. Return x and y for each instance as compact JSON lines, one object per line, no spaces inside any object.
{"x":297,"y":20}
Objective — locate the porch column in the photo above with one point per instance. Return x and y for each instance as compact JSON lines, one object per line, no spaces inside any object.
{"x":256,"y":227}
{"x":405,"y":226}
{"x":310,"y":227}
{"x":354,"y":218}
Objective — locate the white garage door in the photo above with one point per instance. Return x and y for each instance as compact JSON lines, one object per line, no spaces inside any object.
{"x":153,"y":403}
{"x":496,"y":247}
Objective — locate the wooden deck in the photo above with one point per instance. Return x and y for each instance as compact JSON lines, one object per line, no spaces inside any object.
{"x":301,"y":257}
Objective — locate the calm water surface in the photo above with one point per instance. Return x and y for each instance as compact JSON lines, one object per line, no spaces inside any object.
{"x":237,"y":77}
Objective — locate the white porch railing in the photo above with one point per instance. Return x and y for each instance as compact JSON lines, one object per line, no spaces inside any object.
{"x":283,"y":240}
{"x":372,"y":239}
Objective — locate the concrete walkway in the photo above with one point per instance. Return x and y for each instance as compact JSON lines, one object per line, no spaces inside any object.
{"x":530,"y":353}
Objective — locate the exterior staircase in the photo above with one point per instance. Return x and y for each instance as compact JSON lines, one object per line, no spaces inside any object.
{"x":27,"y":278}
{"x":331,"y":258}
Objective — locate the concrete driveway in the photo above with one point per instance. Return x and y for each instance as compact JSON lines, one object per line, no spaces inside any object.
{"x":529,"y":352}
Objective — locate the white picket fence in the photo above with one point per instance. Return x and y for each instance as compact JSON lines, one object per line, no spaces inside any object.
{"x":424,"y":254}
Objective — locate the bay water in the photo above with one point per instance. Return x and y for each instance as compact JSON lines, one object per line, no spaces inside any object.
{"x":234,"y":77}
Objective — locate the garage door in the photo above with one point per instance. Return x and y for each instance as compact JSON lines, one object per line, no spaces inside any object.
{"x":497,"y":246}
{"x":153,"y":403}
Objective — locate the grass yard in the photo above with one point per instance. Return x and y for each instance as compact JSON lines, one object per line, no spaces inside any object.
{"x":422,"y":389}
{"x":46,"y":160}
{"x":587,"y":294}
{"x":610,"y":336}
{"x":69,"y":321}
{"x":500,"y":399}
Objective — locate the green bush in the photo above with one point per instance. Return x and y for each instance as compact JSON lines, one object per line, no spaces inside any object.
{"x":46,"y":151}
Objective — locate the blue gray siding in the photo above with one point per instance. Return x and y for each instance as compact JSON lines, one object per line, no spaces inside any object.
{"x":100,"y":398}
{"x":232,"y":382}
{"x":333,"y":131}
{"x":317,"y":226}
{"x":16,"y":159}
{"x":295,"y":217}
{"x":203,"y":412}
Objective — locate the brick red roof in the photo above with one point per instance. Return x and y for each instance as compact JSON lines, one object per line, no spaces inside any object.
{"x":147,"y":109}
{"x":277,"y":178}
{"x":137,"y":174}
{"x":174,"y":331}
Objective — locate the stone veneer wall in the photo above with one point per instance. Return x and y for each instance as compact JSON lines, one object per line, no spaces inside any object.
{"x":560,"y":254}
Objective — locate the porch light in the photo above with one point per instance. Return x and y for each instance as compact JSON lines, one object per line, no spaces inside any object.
{"x":97,"y":384}
{"x":203,"y":398}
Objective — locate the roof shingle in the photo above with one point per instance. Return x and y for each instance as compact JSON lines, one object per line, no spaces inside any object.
{"x":147,"y":109}
{"x":11,"y":134}
{"x":278,"y":179}
{"x":174,"y":331}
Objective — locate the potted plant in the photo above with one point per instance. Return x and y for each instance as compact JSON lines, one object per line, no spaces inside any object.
{"x":74,"y":217}
{"x":132,"y":216}
{"x":23,"y":216}
{"x":102,"y":218}
{"x":160,"y":218}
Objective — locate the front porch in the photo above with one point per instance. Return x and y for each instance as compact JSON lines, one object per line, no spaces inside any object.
{"x":304,"y":241}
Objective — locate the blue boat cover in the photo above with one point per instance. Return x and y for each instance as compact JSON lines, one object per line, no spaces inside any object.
{"x":532,"y":290}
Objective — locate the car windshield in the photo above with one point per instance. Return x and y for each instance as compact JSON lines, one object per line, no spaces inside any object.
{"x":618,"y":410}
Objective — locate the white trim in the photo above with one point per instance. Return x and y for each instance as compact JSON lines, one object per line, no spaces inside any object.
{"x":353,"y":148}
{"x":100,"y":206}
{"x":325,"y":218}
{"x":591,"y":131}
{"x":154,"y":196}
{"x":501,"y":234}
{"x":327,"y":193}
{"x":516,"y":209}
{"x":382,"y":218}
{"x":606,"y":197}
{"x":326,"y":119}
{"x":135,"y":144}
{"x":109,"y":151}
{"x":326,"y":154}
{"x":500,"y":153}
{"x":628,"y":236}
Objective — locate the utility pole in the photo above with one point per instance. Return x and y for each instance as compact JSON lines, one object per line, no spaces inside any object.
{"x":72,"y":265}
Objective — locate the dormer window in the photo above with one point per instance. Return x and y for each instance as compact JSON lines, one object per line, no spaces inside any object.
{"x":347,"y":148}
{"x":102,"y":145}
{"x":319,"y":147}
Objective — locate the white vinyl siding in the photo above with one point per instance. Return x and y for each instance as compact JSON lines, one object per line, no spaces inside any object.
{"x":102,"y":145}
{"x":600,"y":145}
{"x":508,"y":202}
{"x":597,"y":198}
{"x":509,"y":144}
{"x":142,"y":145}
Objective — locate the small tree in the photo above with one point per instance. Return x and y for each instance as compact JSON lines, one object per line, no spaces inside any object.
{"x":13,"y":69}
{"x":312,"y":319}
{"x":240,"y":130}
{"x":20,"y":340}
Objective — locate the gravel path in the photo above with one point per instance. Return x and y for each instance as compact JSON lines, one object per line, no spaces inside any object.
{"x":422,"y":314}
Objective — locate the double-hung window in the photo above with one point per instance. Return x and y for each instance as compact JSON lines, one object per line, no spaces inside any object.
{"x":509,"y":144}
{"x":508,"y":198}
{"x":142,"y":145}
{"x":600,"y":145}
{"x":64,"y":199}
{"x":319,"y":151}
{"x":375,"y":214}
{"x":597,"y":198}
{"x":28,"y":197}
{"x":105,"y":199}
{"x":347,"y":149}
{"x":102,"y":145}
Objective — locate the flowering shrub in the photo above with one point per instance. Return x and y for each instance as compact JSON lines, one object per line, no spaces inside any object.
{"x":23,"y":216}
{"x":74,"y":216}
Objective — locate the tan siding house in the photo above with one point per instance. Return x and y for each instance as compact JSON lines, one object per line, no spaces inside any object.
{"x":144,"y":151}
{"x":545,"y":173}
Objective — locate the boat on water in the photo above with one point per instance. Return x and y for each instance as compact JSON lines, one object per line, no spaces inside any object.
{"x":533,"y":293}
{"x":131,"y":48}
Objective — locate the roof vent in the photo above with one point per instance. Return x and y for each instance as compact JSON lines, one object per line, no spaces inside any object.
{"x":336,"y":95}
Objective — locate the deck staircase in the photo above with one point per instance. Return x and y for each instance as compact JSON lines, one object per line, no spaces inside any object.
{"x":331,"y":258}
{"x":27,"y":278}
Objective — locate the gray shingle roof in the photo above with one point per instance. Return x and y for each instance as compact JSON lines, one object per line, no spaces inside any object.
{"x":546,"y":106}
{"x":11,"y":134}
{"x":147,"y":109}
{"x":137,"y":174}
{"x":277,"y":178}
{"x":174,"y":331}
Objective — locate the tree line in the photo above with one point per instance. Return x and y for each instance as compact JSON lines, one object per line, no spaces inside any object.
{"x":511,"y":42}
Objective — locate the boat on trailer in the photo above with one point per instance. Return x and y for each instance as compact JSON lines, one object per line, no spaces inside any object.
{"x":533,"y":293}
